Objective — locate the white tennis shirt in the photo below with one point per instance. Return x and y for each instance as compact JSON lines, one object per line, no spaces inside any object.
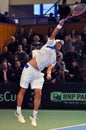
{"x":46,"y":55}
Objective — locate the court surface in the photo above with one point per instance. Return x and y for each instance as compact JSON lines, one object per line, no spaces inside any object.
{"x":48,"y":120}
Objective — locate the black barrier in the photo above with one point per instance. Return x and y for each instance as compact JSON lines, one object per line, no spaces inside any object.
{"x":55,"y":96}
{"x":64,"y":96}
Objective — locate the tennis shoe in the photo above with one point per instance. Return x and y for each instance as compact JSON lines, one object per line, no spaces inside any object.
{"x":33,"y":121}
{"x":20,"y":118}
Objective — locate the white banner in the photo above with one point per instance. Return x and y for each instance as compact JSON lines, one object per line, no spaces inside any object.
{"x":25,"y":2}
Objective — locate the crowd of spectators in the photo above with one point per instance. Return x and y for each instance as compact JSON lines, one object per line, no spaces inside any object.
{"x":6,"y":18}
{"x":23,"y":45}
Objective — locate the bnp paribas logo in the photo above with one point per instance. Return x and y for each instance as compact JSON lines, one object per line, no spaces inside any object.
{"x":56,"y":96}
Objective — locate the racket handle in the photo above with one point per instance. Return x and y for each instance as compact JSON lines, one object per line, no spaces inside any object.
{"x":65,"y":19}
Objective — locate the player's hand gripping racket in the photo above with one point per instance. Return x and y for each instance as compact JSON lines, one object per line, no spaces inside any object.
{"x":77,"y":10}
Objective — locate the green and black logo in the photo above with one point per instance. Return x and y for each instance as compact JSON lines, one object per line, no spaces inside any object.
{"x":55,"y":96}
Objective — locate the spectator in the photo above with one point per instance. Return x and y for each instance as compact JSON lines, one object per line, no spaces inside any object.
{"x":64,"y":9}
{"x":6,"y":55}
{"x":67,"y":45}
{"x":12,"y":46}
{"x":20,"y":35}
{"x":25,"y":59}
{"x":8,"y":63}
{"x":5,"y":73}
{"x":73,"y":35}
{"x":20,"y":52}
{"x":14,"y":59}
{"x":68,"y":57}
{"x":36,"y":44}
{"x":74,"y":72}
{"x":25,"y":45}
{"x":56,"y":73}
{"x":16,"y":72}
{"x":51,"y":19}
{"x":79,"y":44}
{"x":29,"y":36}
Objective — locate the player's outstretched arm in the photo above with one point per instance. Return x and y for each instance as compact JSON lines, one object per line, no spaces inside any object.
{"x":57,"y":28}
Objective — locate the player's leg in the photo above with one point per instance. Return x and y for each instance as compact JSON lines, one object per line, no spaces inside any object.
{"x":37,"y":100}
{"x":37,"y":85}
{"x":19,"y":104}
{"x":24,"y":82}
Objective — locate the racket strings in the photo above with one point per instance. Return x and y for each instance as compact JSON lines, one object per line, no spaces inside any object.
{"x":78,"y":8}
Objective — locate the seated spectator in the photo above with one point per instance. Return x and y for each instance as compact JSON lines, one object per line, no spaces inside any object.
{"x":51,"y":19}
{"x":25,"y":45}
{"x":29,"y":36}
{"x":20,"y":35}
{"x":73,"y":35}
{"x":5,"y":73}
{"x":79,"y":45}
{"x":20,"y":52}
{"x":64,"y":9}
{"x":14,"y":59}
{"x":8,"y":63}
{"x":56,"y":73}
{"x":68,"y":57}
{"x":26,"y":58}
{"x":36,"y":44}
{"x":6,"y":55}
{"x":67,"y":45}
{"x":74,"y":72}
{"x":12,"y":46}
{"x":16,"y":72}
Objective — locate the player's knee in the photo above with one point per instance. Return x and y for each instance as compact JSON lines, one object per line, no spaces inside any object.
{"x":38,"y":93}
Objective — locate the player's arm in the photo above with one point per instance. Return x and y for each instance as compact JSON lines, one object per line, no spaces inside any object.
{"x":57,"y":28}
{"x":49,"y":72}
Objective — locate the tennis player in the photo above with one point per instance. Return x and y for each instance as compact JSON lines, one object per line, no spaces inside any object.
{"x":32,"y":74}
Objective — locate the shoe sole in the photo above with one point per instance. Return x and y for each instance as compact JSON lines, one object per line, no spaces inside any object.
{"x":19,"y":120}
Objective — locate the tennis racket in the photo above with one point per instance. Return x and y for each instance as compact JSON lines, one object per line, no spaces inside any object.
{"x":77,"y":10}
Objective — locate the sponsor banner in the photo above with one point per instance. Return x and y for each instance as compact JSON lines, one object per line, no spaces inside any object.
{"x":55,"y":96}
{"x":64,"y":96}
{"x":8,"y":96}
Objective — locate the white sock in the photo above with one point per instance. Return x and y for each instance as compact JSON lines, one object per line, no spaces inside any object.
{"x":18,"y":110}
{"x":35,"y":113}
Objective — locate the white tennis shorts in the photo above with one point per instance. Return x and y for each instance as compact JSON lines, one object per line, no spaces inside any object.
{"x":31,"y":76}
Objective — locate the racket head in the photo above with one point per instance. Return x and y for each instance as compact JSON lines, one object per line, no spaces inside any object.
{"x":77,"y":10}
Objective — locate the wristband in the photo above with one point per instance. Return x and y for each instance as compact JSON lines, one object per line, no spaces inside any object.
{"x":59,"y":26}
